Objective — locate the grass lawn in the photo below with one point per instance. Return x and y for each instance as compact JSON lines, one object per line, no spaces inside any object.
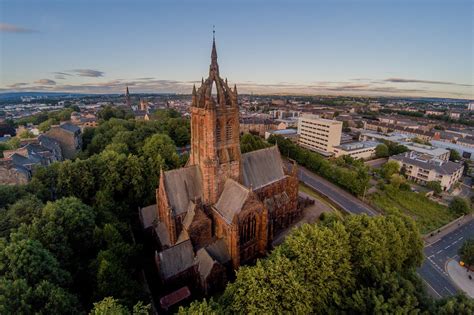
{"x":309,"y":191}
{"x":429,"y":215}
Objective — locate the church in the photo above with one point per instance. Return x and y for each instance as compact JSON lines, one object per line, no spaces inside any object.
{"x":224,"y":207}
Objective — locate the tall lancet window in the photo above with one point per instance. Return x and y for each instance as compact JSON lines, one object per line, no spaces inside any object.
{"x":228,"y":129}
{"x":218,"y":131}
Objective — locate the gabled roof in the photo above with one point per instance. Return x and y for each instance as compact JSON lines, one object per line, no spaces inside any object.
{"x":231,"y":200}
{"x":148,"y":216}
{"x":262,"y":167}
{"x":182,"y":186}
{"x":218,"y":251}
{"x":176,"y":259}
{"x":205,"y":263}
{"x":70,"y":127}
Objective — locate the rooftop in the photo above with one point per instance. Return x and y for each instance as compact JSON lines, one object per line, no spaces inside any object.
{"x":422,"y":161}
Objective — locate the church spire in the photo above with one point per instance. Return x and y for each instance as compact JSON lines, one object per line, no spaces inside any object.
{"x":127,"y":98}
{"x":214,"y":66}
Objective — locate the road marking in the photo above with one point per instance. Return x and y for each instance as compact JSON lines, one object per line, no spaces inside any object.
{"x":450,"y":291}
{"x":447,"y":246}
{"x":439,"y":251}
{"x":431,"y":287}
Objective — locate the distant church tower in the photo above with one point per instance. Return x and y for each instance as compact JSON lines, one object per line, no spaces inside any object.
{"x":127,"y":98}
{"x":215,"y":143}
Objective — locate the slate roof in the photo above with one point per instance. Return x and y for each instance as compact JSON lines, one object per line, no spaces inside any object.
{"x":218,"y":251}
{"x":176,"y":259}
{"x":205,"y":263}
{"x":148,"y":216}
{"x":70,"y":127}
{"x":162,"y":233}
{"x":441,"y":167}
{"x":231,"y":200}
{"x":262,"y":167}
{"x":188,"y":219}
{"x":182,"y":185}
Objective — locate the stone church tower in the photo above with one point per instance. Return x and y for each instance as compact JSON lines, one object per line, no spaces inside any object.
{"x":215,"y":144}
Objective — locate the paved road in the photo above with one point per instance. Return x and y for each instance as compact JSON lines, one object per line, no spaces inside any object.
{"x":437,"y":254}
{"x":337,"y":195}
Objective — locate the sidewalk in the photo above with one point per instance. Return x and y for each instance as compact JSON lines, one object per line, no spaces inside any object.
{"x":459,"y":275}
{"x":443,"y":231}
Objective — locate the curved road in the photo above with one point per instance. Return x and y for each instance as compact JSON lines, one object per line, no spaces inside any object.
{"x":437,"y":254}
{"x":343,"y":199}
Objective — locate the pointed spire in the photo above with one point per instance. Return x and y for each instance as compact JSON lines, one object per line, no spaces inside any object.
{"x":214,"y":68}
{"x":235,"y":89}
{"x":194,"y":89}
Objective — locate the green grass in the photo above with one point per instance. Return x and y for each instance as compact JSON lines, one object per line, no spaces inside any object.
{"x":429,"y":215}
{"x":308,"y":190}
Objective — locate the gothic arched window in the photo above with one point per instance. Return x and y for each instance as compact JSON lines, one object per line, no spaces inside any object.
{"x":228,"y":129}
{"x":218,"y":131}
{"x":248,"y":229}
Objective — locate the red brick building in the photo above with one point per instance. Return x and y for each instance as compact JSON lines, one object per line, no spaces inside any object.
{"x":223,"y":202}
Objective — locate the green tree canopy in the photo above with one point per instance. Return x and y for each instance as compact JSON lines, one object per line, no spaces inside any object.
{"x":460,"y":206}
{"x":467,"y":252}
{"x":389,"y":168}
{"x":381,"y":150}
{"x":454,"y":155}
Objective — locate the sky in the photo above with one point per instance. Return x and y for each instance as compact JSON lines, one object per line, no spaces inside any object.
{"x":341,"y":47}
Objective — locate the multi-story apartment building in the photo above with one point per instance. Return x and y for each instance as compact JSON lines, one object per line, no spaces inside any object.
{"x":423,"y":169}
{"x":318,"y":134}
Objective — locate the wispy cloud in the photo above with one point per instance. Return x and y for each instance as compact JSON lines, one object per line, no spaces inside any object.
{"x":402,"y":80}
{"x":88,"y":73}
{"x":10,"y":28}
{"x":45,"y":82}
{"x":17,"y":85}
{"x":149,"y":85}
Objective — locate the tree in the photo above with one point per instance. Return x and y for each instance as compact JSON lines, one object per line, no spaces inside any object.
{"x":111,"y":306}
{"x":389,"y":168}
{"x":24,"y":258}
{"x":18,"y":297}
{"x":396,"y":180}
{"x":66,"y":228}
{"x":459,"y":304}
{"x":454,"y":155}
{"x":381,"y":151}
{"x":22,"y":211}
{"x":361,"y":264}
{"x":249,"y":142}
{"x":467,"y":252}
{"x":46,"y":125}
{"x":435,"y":186}
{"x":26,"y":134}
{"x":460,"y":206}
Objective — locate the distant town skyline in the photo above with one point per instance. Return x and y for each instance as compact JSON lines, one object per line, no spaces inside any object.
{"x":389,"y":48}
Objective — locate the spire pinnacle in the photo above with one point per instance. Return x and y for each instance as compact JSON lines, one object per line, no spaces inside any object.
{"x":214,"y":66}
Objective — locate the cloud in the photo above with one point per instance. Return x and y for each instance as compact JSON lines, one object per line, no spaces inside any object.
{"x":88,"y":73}
{"x":10,"y":28}
{"x":45,"y":82}
{"x":401,"y":80}
{"x":148,"y":85}
{"x":16,"y":85}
